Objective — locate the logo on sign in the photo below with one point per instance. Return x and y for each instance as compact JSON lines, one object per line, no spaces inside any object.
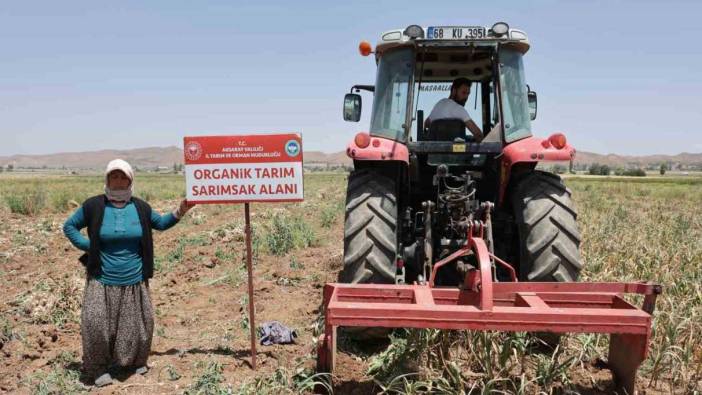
{"x":193,"y":150}
{"x":292,"y":148}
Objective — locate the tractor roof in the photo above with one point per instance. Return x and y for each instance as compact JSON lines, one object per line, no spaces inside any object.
{"x":454,"y":37}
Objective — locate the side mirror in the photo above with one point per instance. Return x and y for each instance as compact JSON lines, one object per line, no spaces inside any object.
{"x":352,"y":107}
{"x":531,"y":96}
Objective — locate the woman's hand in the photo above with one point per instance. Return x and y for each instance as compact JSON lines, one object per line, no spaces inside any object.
{"x":183,"y":208}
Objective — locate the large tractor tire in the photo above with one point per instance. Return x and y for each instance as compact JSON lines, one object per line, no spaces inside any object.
{"x":548,"y":233}
{"x":370,"y":226}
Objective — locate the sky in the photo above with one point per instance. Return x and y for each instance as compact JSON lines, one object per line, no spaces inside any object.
{"x":619,"y":77}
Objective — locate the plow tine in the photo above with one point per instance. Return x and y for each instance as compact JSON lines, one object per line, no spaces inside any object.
{"x":626,"y":353}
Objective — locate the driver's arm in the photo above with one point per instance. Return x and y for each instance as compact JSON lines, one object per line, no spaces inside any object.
{"x":477,"y":133}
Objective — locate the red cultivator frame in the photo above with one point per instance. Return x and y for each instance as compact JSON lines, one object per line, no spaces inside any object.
{"x":481,"y":304}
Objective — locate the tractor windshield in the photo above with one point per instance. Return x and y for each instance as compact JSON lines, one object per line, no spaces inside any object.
{"x":396,"y":75}
{"x":515,"y":108}
{"x":391,"y":92}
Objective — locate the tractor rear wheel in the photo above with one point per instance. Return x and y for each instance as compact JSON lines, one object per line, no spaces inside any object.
{"x":548,"y":232}
{"x":370,"y":229}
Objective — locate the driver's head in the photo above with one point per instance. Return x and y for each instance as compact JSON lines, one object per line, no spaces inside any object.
{"x":460,"y":89}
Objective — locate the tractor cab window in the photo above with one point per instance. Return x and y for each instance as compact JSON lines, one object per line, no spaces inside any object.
{"x":391,"y":93}
{"x":428,"y":94}
{"x":435,"y":71}
{"x":515,"y":105}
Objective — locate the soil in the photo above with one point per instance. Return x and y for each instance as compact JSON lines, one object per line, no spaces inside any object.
{"x":196,"y":321}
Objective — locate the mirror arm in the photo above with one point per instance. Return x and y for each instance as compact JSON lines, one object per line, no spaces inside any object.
{"x":358,"y":88}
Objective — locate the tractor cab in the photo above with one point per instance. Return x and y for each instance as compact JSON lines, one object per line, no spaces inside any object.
{"x":416,"y":67}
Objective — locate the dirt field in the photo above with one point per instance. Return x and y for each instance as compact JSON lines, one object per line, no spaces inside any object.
{"x":631,"y":230}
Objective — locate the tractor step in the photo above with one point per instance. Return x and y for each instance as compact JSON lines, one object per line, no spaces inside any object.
{"x":508,"y":306}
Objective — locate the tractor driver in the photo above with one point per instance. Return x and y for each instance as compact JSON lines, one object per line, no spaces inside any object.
{"x":453,"y":107}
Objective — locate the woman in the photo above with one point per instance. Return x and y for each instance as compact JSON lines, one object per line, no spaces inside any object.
{"x":117,"y":318}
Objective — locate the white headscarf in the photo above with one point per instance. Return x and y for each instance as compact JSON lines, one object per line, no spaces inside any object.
{"x":119,"y":197}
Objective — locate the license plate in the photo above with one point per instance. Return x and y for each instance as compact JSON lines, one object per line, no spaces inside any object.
{"x":455,"y":32}
{"x":459,"y":148}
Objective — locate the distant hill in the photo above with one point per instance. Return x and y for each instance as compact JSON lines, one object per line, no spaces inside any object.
{"x":338,"y":158}
{"x":150,"y":157}
{"x":685,"y":158}
{"x":153,"y":157}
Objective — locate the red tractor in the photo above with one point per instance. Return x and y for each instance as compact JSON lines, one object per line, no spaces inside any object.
{"x":452,"y":230}
{"x":417,"y":186}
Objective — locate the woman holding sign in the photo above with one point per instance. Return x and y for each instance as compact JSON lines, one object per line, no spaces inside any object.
{"x":117,"y":317}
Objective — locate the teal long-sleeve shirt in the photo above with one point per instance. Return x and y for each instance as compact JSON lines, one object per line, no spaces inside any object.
{"x":120,"y":241}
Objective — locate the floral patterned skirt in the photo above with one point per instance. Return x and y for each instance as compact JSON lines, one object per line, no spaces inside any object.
{"x":117,"y":324}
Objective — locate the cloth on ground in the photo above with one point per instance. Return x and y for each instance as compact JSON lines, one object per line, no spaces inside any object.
{"x":273,"y":332}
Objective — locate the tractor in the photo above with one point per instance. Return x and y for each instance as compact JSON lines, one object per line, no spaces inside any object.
{"x":416,"y":190}
{"x":447,"y":229}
